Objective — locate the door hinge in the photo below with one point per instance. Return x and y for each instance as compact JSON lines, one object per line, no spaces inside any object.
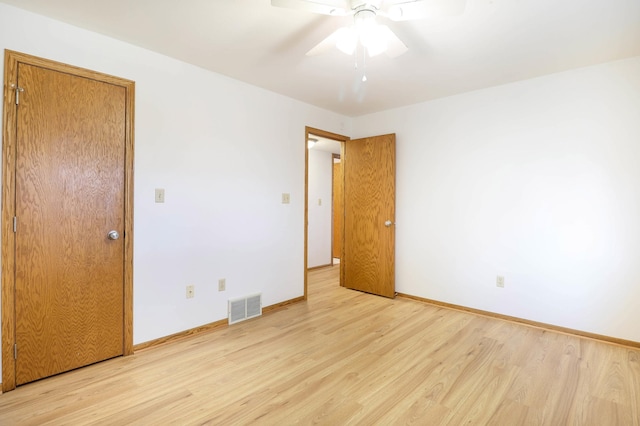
{"x":18,"y":90}
{"x":15,"y":224}
{"x":15,"y":351}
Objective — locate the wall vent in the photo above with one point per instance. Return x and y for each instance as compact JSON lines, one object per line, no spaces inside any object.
{"x":243,"y":308}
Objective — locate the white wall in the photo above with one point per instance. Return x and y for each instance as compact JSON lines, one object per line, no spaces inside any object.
{"x":319,"y":250}
{"x":538,"y":181}
{"x":223,"y":150}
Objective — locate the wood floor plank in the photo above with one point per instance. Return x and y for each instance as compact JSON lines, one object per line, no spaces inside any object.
{"x":345,"y":357}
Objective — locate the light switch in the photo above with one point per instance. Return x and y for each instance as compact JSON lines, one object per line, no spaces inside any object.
{"x":319,"y":201}
{"x":159,"y":195}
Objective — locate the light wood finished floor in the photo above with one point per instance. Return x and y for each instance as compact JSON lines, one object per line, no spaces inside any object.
{"x":346,"y":357}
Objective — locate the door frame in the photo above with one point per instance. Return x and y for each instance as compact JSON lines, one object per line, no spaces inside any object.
{"x":9,"y":136}
{"x":339,"y":138}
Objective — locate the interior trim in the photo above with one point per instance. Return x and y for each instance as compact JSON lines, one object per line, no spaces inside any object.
{"x":536,"y":324}
{"x":313,"y":268}
{"x":182,"y":334}
{"x":209,"y":327}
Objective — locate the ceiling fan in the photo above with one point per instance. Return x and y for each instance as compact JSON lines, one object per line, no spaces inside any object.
{"x":373,"y":37}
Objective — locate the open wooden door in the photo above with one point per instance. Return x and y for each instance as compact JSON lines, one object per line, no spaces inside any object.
{"x":369,"y":222}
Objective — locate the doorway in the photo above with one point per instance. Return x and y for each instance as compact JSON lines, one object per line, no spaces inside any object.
{"x":66,"y":218}
{"x":325,"y":234}
{"x":337,"y":198}
{"x":328,"y":142}
{"x":367,"y":261}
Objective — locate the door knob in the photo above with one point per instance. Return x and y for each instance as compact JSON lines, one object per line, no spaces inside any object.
{"x":113,"y":235}
{"x":388,"y":223}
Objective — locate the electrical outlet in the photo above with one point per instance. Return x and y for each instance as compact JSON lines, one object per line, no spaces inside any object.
{"x":286,"y":198}
{"x":222,"y":284}
{"x":190,"y":292}
{"x":500,"y":281}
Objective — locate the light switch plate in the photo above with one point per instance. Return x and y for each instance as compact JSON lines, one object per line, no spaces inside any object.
{"x":159,"y":195}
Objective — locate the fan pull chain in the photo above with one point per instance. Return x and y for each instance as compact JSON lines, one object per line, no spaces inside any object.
{"x":364,"y":61}
{"x":364,"y":65}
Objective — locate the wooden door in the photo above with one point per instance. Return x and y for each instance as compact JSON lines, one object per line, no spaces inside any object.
{"x":338,"y":210}
{"x":69,"y":194}
{"x":369,"y":223}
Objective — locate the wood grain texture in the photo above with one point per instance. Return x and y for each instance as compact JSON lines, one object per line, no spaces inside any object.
{"x":369,"y":201}
{"x":347,"y":357}
{"x":281,"y":305}
{"x":551,"y":327}
{"x":338,"y":207}
{"x":181,"y":335}
{"x":8,"y":211}
{"x":39,"y":186}
{"x":69,"y":195}
{"x":342,"y":154}
{"x":209,"y":327}
{"x":319,"y":266}
{"x":129,"y":87}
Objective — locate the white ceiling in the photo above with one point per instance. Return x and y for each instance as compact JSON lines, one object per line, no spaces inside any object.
{"x":492,"y":43}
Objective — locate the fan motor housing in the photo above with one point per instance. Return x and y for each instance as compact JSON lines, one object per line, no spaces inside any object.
{"x":371,"y":5}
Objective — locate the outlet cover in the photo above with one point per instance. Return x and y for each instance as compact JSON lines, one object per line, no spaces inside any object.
{"x":222,"y":284}
{"x":190,"y":292}
{"x":500,"y":281}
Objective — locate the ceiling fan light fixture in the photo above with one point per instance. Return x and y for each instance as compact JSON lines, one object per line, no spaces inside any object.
{"x":364,"y":20}
{"x":346,"y":40}
{"x":364,"y":14}
{"x":365,"y":30}
{"x":376,"y":40}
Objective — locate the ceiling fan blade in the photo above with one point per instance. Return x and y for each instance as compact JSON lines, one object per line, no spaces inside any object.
{"x":326,"y":7}
{"x":326,"y":44}
{"x":395,"y":46}
{"x":404,"y":10}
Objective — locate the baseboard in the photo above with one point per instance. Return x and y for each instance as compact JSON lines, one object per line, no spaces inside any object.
{"x":209,"y":327}
{"x":281,"y":305}
{"x":319,"y":267}
{"x":550,"y":327}
{"x":172,"y":337}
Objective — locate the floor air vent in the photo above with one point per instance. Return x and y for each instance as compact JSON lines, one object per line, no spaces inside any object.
{"x":243,"y":308}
